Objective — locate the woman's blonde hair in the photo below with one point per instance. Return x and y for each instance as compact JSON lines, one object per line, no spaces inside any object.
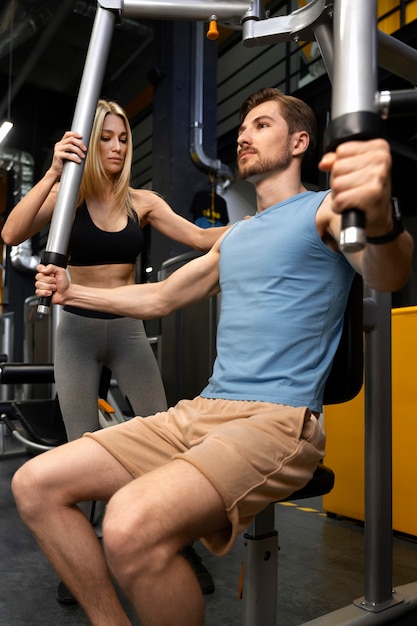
{"x":93,"y":175}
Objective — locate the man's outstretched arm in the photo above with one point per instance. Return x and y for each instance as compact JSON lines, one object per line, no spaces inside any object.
{"x":197,"y":280}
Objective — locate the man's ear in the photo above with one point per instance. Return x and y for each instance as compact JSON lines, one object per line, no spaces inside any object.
{"x":301,"y":141}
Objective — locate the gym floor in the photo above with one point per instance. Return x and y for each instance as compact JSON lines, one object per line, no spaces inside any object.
{"x":320,"y":567}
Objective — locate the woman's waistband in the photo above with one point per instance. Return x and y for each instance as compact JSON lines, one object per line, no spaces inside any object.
{"x":102,"y":315}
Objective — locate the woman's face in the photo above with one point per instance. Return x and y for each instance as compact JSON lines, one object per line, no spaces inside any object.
{"x":113,"y":144}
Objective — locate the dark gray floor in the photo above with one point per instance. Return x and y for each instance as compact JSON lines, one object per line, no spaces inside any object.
{"x":320,"y":568}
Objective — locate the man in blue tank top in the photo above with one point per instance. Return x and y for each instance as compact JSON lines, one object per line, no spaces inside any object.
{"x":207,"y":466}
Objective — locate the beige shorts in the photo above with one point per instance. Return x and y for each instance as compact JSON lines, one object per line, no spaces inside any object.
{"x":252,"y":452}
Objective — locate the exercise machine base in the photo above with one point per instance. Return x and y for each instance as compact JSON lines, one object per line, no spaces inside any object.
{"x":402,"y":613}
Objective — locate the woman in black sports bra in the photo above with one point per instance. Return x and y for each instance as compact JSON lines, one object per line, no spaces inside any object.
{"x":105,"y":241}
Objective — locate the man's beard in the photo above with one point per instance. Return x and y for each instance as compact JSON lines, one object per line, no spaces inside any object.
{"x":265,"y":166}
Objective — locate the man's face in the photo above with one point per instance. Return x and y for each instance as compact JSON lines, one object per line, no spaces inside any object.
{"x":263,"y":142}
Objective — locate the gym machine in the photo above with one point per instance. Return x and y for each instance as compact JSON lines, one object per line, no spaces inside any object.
{"x":36,"y":423}
{"x":29,"y":408}
{"x":351,"y":48}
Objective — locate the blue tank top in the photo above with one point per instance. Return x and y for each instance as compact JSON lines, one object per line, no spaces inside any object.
{"x":284,"y":293}
{"x":90,"y":245}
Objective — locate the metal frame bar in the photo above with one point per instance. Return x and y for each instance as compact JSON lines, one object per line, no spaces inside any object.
{"x":378,"y":456}
{"x":95,"y":65}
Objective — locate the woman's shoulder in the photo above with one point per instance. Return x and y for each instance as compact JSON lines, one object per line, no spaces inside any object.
{"x":145,"y":202}
{"x":144,"y":196}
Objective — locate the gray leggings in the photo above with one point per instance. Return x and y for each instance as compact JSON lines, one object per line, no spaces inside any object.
{"x":84,"y":345}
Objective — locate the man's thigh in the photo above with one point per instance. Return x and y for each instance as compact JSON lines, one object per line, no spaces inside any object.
{"x":174,"y":502}
{"x":76,"y":471}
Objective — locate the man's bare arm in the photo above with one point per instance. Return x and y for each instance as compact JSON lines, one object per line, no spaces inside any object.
{"x":197,"y":280}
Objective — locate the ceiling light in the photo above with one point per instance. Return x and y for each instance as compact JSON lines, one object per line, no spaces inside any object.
{"x":7,"y":125}
{"x":5,"y":128}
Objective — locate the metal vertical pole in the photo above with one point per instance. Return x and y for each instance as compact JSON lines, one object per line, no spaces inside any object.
{"x":354,"y":92}
{"x":378,"y":456}
{"x":324,"y":37}
{"x":94,"y":68}
{"x":355,"y":62}
{"x":354,"y":117}
{"x":260,"y":570}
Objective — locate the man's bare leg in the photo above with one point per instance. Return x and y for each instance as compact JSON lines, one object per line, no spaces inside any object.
{"x":47,"y":489}
{"x":146,"y":525}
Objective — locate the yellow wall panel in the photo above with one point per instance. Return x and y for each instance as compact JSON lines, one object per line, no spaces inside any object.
{"x":392,"y":22}
{"x":345,"y":435}
{"x":411,"y":12}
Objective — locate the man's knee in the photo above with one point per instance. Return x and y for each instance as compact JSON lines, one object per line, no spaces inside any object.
{"x":123,"y":528}
{"x":28,"y":491}
{"x":130,"y":539}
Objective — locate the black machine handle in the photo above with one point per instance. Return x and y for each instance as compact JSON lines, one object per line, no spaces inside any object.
{"x":352,"y":233}
{"x":56,"y":259}
{"x":360,"y":125}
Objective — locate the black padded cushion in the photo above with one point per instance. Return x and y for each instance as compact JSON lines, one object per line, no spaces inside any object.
{"x":42,"y":419}
{"x":346,"y":376}
{"x":321,"y":483}
{"x":344,"y":382}
{"x":15,"y":373}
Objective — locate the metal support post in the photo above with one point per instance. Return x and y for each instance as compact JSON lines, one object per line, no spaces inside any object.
{"x":378,"y":457}
{"x":95,"y":65}
{"x":260,"y":570}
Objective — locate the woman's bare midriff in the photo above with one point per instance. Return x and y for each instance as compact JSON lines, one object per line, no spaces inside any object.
{"x":109,"y":276}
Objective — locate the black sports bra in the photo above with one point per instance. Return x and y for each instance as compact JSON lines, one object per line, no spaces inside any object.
{"x":89,"y":245}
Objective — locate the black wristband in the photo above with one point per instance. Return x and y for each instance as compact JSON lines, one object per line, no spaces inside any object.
{"x":396,"y":231}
